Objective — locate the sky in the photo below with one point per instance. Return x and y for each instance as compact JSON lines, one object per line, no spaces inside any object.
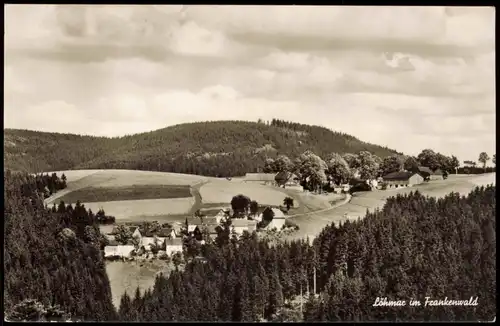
{"x":404,"y":77}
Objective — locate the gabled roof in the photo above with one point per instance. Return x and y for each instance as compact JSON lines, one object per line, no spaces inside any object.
{"x":277,"y":213}
{"x":259,"y":177}
{"x":428,"y":170}
{"x":133,"y":228}
{"x":210,"y":220}
{"x":212,"y":229}
{"x":173,"y":242}
{"x":398,"y":176}
{"x":164,"y":232}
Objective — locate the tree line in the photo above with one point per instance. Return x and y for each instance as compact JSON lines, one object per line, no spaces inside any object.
{"x":313,"y":171}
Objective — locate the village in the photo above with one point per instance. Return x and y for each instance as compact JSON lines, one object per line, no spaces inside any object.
{"x":151,"y":240}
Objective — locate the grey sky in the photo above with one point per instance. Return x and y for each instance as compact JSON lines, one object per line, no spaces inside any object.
{"x":405,"y":77}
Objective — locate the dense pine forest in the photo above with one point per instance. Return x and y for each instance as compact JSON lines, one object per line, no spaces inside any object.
{"x":415,"y":247}
{"x":52,"y":260}
{"x":218,"y":148}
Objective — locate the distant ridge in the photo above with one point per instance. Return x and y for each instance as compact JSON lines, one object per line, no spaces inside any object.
{"x":215,"y":148}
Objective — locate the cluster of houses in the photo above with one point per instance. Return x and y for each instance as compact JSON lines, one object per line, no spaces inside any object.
{"x":168,"y":239}
{"x":209,"y":224}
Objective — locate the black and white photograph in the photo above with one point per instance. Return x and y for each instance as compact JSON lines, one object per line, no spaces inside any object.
{"x":249,"y":163}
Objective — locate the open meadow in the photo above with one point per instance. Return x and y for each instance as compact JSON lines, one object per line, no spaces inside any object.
{"x":127,"y":276}
{"x":223,"y":191}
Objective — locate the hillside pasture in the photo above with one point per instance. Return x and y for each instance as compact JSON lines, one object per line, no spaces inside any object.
{"x":133,"y":210}
{"x":311,"y":224}
{"x":223,"y":192}
{"x":135,"y":192}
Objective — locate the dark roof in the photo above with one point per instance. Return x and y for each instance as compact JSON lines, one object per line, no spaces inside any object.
{"x":210,"y":221}
{"x":212,"y":229}
{"x":355,"y":181}
{"x":113,"y":243}
{"x":173,"y":242}
{"x":428,"y":170}
{"x":398,"y":176}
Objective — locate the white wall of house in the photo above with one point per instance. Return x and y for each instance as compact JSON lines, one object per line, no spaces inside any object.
{"x":173,"y":249}
{"x":192,"y":227}
{"x":148,"y":241}
{"x":277,"y":223}
{"x":121,"y":251}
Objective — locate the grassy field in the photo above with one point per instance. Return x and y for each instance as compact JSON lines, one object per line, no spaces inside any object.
{"x":127,"y":276}
{"x":223,"y":192}
{"x":311,"y":224}
{"x":134,"y":192}
{"x":133,"y":210}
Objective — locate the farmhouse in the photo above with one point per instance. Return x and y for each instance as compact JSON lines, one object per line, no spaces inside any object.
{"x":221,"y":216}
{"x":239,"y":225}
{"x":210,"y":229}
{"x":114,"y":249}
{"x":136,"y":233}
{"x":210,"y":220}
{"x":427,"y":173}
{"x":260,"y":178}
{"x":173,"y":245}
{"x":192,"y":223}
{"x":278,"y":220}
{"x":285,"y":179}
{"x":148,"y":242}
{"x":402,"y":179}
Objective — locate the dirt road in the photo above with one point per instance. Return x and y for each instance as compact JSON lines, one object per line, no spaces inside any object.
{"x":311,"y":224}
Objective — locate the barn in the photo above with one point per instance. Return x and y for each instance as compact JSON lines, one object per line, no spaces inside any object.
{"x":402,"y":179}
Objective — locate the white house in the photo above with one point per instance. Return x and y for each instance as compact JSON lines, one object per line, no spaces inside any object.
{"x":147,"y":242}
{"x":278,"y":219}
{"x":173,"y":245}
{"x":120,"y":251}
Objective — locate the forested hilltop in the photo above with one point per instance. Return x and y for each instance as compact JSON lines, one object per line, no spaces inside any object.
{"x":53,"y":266}
{"x":415,"y":247}
{"x":218,"y":148}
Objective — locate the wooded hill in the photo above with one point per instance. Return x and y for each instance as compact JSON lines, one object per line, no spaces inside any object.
{"x":218,"y":148}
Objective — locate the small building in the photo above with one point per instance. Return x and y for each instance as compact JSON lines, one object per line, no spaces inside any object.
{"x":260,"y":178}
{"x":252,"y":226}
{"x":173,"y":245}
{"x":115,"y":249}
{"x":239,"y":225}
{"x":278,"y":220}
{"x":193,"y":222}
{"x":286,"y":179}
{"x":221,"y":216}
{"x":210,"y":229}
{"x":212,"y":220}
{"x":430,"y":174}
{"x":402,"y":179}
